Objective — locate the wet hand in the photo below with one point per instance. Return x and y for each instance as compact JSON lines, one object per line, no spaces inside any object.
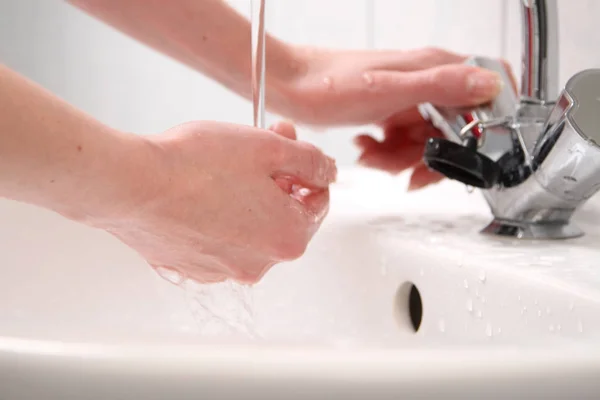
{"x":224,"y":201}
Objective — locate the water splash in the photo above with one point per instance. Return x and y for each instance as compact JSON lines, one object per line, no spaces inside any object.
{"x":383,"y":262}
{"x":442,"y":325}
{"x":470,"y":305}
{"x":482,"y":276}
{"x":221,"y":309}
{"x":488,"y":330}
{"x":170,"y":275}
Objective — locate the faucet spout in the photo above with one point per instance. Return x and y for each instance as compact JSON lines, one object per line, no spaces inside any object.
{"x":539,"y":80}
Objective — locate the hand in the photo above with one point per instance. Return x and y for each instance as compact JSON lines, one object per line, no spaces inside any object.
{"x":228,"y":201}
{"x":402,"y":148}
{"x":365,"y":87}
{"x":384,"y":88}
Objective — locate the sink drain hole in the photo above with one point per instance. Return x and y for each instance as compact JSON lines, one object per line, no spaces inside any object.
{"x":409,"y":307}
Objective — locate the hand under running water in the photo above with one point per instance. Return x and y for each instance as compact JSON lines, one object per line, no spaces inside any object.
{"x":234,"y":201}
{"x":211,"y":200}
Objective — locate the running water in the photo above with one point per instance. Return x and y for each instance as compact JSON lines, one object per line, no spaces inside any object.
{"x":226,"y":308}
{"x":258,"y":62}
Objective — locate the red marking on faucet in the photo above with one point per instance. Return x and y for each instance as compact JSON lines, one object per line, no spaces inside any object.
{"x":476,"y":130}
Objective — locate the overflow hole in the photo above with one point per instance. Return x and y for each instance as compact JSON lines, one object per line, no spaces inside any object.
{"x":409,"y":307}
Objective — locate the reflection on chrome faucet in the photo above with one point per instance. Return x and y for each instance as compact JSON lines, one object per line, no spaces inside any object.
{"x":536,"y":159}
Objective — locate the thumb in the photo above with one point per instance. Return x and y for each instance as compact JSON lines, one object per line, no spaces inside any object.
{"x":446,"y":85}
{"x":304,"y":163}
{"x":285,"y":129}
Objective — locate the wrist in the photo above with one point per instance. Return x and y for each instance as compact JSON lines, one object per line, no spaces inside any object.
{"x":286,"y":66}
{"x":291,"y":96}
{"x":114,"y":184}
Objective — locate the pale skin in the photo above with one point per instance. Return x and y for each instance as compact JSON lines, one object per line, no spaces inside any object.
{"x":213,"y":200}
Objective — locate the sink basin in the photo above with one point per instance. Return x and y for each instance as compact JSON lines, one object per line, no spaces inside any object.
{"x":397,"y":295}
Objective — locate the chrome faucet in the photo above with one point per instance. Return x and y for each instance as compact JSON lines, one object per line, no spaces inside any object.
{"x":537,"y":158}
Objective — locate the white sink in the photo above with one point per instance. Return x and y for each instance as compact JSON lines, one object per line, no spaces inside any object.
{"x":83,"y":317}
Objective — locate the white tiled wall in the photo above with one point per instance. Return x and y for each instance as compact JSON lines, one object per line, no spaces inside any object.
{"x":133,"y":88}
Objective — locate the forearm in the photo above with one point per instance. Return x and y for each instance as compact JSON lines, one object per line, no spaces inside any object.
{"x":56,"y":157}
{"x":207,"y":35}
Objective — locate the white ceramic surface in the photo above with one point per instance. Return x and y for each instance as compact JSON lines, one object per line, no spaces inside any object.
{"x":83,"y":317}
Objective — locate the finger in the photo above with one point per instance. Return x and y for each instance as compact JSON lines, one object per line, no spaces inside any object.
{"x":366,"y":142}
{"x":403,"y":118}
{"x":417,"y":59}
{"x":285,"y":183}
{"x":315,"y":202}
{"x":511,"y":75}
{"x":448,"y":85}
{"x":392,"y":161}
{"x":285,"y":129}
{"x":423,"y":176}
{"x":305,"y":164}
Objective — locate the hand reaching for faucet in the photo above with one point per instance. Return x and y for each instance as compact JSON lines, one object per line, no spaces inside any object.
{"x":384,"y":88}
{"x":401,"y":149}
{"x":363,"y":87}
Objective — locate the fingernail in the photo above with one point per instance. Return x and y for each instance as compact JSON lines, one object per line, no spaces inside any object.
{"x":484,"y":84}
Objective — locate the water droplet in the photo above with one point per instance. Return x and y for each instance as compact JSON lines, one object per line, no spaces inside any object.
{"x":442,"y":326}
{"x":383,"y":262}
{"x":470,"y":189}
{"x":551,"y":328}
{"x":548,"y":310}
{"x":519,"y":298}
{"x":535,"y":302}
{"x":571,"y":306}
{"x":558,"y":328}
{"x":524,"y":310}
{"x":470,"y":305}
{"x":477,"y":292}
{"x":499,"y":331}
{"x":482,"y":276}
{"x":488,"y":330}
{"x":170,"y":275}
{"x":479,"y":314}
{"x":579,"y":326}
{"x":483,"y":299}
{"x":539,"y":313}
{"x":328,"y":82}
{"x":368,"y":78}
{"x":466,"y":284}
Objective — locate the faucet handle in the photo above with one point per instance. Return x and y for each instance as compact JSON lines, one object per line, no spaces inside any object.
{"x":475,"y":138}
{"x":462,"y":162}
